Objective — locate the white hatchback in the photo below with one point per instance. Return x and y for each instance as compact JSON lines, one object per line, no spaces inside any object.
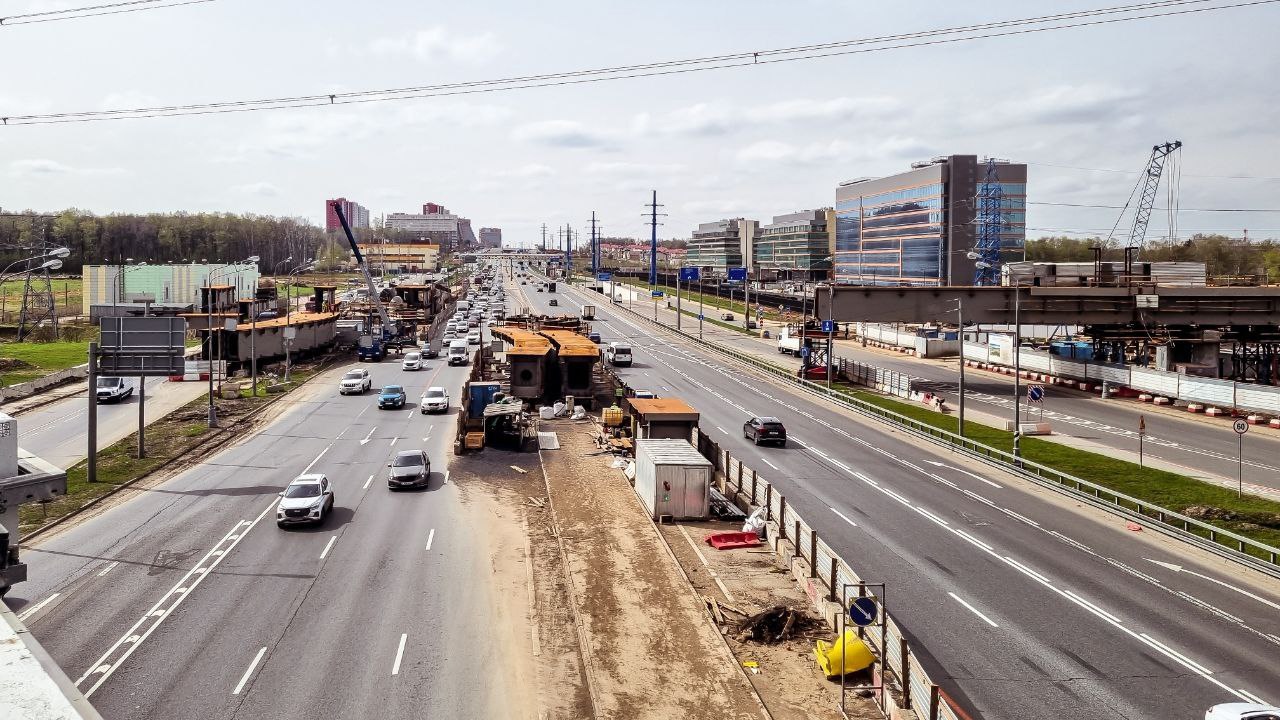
{"x":411,"y":361}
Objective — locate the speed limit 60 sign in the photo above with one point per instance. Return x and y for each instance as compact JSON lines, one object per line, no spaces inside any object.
{"x":1240,"y":426}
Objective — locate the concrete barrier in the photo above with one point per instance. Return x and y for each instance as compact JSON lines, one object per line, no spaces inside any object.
{"x":32,"y":387}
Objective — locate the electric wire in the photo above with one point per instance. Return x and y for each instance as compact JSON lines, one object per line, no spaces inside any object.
{"x":80,"y":12}
{"x":1003,"y":28}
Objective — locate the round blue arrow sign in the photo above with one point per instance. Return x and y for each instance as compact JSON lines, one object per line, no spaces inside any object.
{"x":863,"y":611}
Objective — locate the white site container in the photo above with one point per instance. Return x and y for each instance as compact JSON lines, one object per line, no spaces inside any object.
{"x":672,"y":479}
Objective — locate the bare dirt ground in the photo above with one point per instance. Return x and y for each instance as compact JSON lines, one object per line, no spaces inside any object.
{"x":751,"y":580}
{"x":510,"y":506}
{"x":651,"y":651}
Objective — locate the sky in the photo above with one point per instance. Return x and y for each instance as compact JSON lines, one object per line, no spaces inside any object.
{"x":752,"y":142}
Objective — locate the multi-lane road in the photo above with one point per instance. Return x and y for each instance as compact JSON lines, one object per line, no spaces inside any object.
{"x":188,"y":601}
{"x":1020,"y":603}
{"x":1195,"y":445}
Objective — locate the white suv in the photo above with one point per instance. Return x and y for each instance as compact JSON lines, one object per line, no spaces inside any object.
{"x":308,"y":499}
{"x":355,"y":382}
{"x":435,"y":399}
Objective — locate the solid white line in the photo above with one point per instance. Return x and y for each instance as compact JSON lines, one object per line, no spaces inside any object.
{"x":307,"y":469}
{"x":344,"y":432}
{"x":249,"y":672}
{"x":37,"y":607}
{"x":766,"y":462}
{"x":1251,"y":696}
{"x":446,"y":477}
{"x":844,"y":517}
{"x":431,"y":536}
{"x":366,"y":483}
{"x":111,"y":566}
{"x":395,"y":667}
{"x":410,"y":415}
{"x":726,"y":432}
{"x":972,"y":609}
{"x":328,"y":546}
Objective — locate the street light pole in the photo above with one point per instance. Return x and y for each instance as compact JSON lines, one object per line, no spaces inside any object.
{"x":1017,"y":377}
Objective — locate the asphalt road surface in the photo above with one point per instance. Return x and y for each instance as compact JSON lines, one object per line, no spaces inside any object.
{"x":189,"y":602}
{"x":1196,"y":444}
{"x":1020,"y":603}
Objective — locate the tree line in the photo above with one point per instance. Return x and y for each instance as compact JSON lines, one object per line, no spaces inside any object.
{"x":169,"y":238}
{"x":1222,"y":255}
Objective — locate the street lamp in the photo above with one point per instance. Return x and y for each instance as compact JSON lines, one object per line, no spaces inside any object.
{"x":288,"y":309}
{"x":235,"y":267}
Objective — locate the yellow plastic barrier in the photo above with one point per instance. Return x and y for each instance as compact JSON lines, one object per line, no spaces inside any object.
{"x":848,"y":652}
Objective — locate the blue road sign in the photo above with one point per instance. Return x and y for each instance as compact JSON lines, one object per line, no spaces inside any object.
{"x":656,"y":293}
{"x":604,"y":277}
{"x":738,"y":273}
{"x":828,"y":326}
{"x":701,"y":316}
{"x":863,"y":611}
{"x":689,"y":274}
{"x":1035,"y":393}
{"x":804,"y":352}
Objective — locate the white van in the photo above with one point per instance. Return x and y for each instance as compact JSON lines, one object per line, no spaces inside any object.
{"x":457,"y":352}
{"x":618,"y":354}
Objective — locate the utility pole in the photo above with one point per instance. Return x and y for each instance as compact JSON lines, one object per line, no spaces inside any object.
{"x":960,"y":325}
{"x":653,"y":242}
{"x":568,"y":251}
{"x":544,"y":237}
{"x":1017,"y":377}
{"x":91,"y":472}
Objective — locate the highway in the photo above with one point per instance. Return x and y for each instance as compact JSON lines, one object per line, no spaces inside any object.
{"x":1195,"y":445}
{"x":1020,"y":603}
{"x":189,"y":602}
{"x":58,"y":432}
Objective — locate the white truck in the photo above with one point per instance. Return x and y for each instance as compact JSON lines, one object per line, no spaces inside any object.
{"x":790,"y":341}
{"x":113,"y":389}
{"x":458,"y":352}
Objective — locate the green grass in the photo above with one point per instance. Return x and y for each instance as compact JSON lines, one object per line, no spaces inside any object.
{"x":711,"y":301}
{"x":1251,"y":516}
{"x":40,"y":359}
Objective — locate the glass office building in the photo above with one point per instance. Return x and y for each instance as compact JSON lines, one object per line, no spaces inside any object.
{"x":723,"y":244}
{"x":916,"y":228}
{"x":796,"y":241}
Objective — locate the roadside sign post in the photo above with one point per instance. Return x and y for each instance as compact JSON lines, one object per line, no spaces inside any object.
{"x":866,"y":611}
{"x":133,"y":347}
{"x":1035,"y":394}
{"x":829,"y":327}
{"x":91,"y":471}
{"x":1142,"y":434}
{"x":1241,"y":427}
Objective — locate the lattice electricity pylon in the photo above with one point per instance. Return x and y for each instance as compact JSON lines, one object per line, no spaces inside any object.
{"x":990,"y":224}
{"x":37,"y":304}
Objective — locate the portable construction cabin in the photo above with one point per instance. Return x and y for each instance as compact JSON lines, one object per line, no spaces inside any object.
{"x":673,"y":480}
{"x":662,"y":418}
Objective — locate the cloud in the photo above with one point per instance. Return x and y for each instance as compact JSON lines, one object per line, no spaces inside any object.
{"x":777,"y":152}
{"x":712,"y":119}
{"x":129,"y":99}
{"x":437,"y":44}
{"x":1074,"y":104}
{"x":524,"y":172}
{"x":560,"y":133}
{"x":720,"y":208}
{"x":261,"y":189}
{"x":43,"y":167}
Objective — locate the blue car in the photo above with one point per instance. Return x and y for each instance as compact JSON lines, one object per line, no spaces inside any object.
{"x":392,"y":396}
{"x":594,"y":337}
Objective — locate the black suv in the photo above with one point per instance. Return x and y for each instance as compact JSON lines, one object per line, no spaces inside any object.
{"x":765,"y":429}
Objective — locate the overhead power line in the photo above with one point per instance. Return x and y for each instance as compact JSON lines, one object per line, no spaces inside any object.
{"x":1136,"y":172}
{"x":1176,"y":209}
{"x":942,"y":36}
{"x":116,"y":8}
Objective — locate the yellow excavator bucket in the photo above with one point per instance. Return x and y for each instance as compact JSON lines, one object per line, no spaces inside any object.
{"x":848,"y":652}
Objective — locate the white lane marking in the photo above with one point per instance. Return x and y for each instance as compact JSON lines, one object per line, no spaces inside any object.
{"x":665,"y":388}
{"x":446,"y":477}
{"x":307,"y":469}
{"x":966,"y":472}
{"x":328,"y":546}
{"x":394,"y":439}
{"x":1242,"y":591}
{"x":972,"y":609}
{"x":844,"y":517}
{"x":1252,"y":697}
{"x":344,"y":432}
{"x":395,"y":667}
{"x":410,"y":417}
{"x":726,"y":432}
{"x":362,"y":412}
{"x":37,"y":607}
{"x":766,"y":462}
{"x":366,"y":483}
{"x":110,"y":566}
{"x":431,"y":536}
{"x":428,"y":435}
{"x":200,"y":572}
{"x":365,"y":441}
{"x":248,"y":673}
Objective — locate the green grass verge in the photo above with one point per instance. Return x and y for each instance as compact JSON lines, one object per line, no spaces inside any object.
{"x":1251,"y":516}
{"x":712,"y":301}
{"x":33,"y":360}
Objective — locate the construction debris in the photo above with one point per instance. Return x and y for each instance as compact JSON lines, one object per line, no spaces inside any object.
{"x":519,"y":469}
{"x":775,"y":624}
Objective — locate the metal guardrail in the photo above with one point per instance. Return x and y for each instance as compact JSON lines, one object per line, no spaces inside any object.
{"x":828,"y":574}
{"x":1225,"y":543}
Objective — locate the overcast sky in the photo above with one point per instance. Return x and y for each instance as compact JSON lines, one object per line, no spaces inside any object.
{"x":751,"y":142}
